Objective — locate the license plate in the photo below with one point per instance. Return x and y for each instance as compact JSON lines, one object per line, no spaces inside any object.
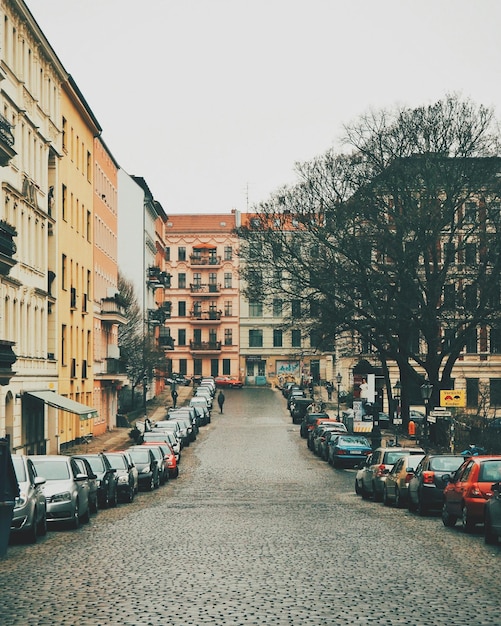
{"x":356,"y":452}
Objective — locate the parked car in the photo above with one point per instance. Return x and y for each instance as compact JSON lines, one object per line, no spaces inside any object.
{"x":147,"y":467}
{"x":167,"y":436}
{"x":492,"y":516}
{"x":396,"y":485}
{"x":345,"y":450}
{"x":427,"y":484}
{"x":469,"y":489}
{"x":126,"y":489}
{"x":310,"y":421}
{"x":294,"y":393}
{"x":200,"y":401}
{"x":231,"y":382}
{"x":370,"y":478}
{"x":161,"y":460}
{"x":66,"y":489}
{"x":134,"y":471}
{"x":29,"y":519}
{"x":185,"y":429}
{"x":189,"y":413}
{"x":169,"y":457}
{"x":204,"y":392}
{"x":107,"y":491}
{"x":299,"y":408}
{"x":318,"y":436}
{"x":313,"y":432}
{"x":178,"y":379}
{"x":85,"y":468}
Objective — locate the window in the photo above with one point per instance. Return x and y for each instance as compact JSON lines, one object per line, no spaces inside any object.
{"x":495,"y":341}
{"x":449,"y":296}
{"x":181,"y":280}
{"x":495,"y":392}
{"x":255,"y":338}
{"x":277,"y":307}
{"x":197,"y":367}
{"x":255,"y":309}
{"x":181,"y":308}
{"x":470,"y":212}
{"x":449,"y":252}
{"x":64,"y":201}
{"x":197,"y":308}
{"x":228,"y":253}
{"x":214,"y":367}
{"x":181,"y":253}
{"x":228,"y":337}
{"x":296,"y":308}
{"x":183,"y":369}
{"x":470,"y":254}
{"x":226,"y":367}
{"x":228,"y":308}
{"x":296,"y":338}
{"x":227,"y":280}
{"x":181,"y":336}
{"x":472,"y":390}
{"x":277,"y":279}
{"x":167,"y":253}
{"x":63,"y":271}
{"x":277,"y":338}
{"x":471,"y":341}
{"x":197,"y":279}
{"x":470,"y":294}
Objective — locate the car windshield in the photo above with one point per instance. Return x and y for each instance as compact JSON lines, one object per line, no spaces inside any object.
{"x":52,"y":470}
{"x":140,"y":456}
{"x":157,"y":453}
{"x":96,"y":463}
{"x":19,"y":469}
{"x":445,"y":464}
{"x":353,"y":441}
{"x":390,"y":458}
{"x":490,"y":471}
{"x":117,"y":461}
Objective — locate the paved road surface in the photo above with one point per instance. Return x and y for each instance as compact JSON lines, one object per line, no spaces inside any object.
{"x":255,"y":531}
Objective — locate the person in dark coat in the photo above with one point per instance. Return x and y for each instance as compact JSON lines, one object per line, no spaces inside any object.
{"x":173,"y":394}
{"x":220,"y":401}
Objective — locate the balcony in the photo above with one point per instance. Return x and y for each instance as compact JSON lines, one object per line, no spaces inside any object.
{"x":211,"y":260}
{"x":204,"y":289}
{"x":156,"y":278}
{"x":205,"y":346}
{"x":164,"y":339}
{"x":205,"y":316}
{"x":156,"y":317}
{"x":112,"y":311}
{"x":7,"y":151}
{"x":7,"y":360}
{"x":7,"y":247}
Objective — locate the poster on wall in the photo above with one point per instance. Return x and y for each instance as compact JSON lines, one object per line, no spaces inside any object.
{"x":288,"y":368}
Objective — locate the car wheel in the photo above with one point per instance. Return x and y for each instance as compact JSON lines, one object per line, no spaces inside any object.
{"x":422,"y":509}
{"x":75,"y":522}
{"x":399,"y":503}
{"x":31,"y":534}
{"x":42,"y":525}
{"x":357,"y":488}
{"x":114,"y":498}
{"x":386,"y":501}
{"x":448,"y":519}
{"x":364,"y":493}
{"x":411,"y":506}
{"x":466,"y":523}
{"x":376,"y":496}
{"x":151,"y":486}
{"x":130,"y":497}
{"x":490,"y":538}
{"x":93,"y":505}
{"x":86,"y":516}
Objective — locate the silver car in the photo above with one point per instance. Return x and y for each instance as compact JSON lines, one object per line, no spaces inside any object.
{"x":29,"y":519}
{"x":66,"y":489}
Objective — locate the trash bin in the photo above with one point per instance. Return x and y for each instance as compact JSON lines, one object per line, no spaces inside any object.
{"x":9,"y":491}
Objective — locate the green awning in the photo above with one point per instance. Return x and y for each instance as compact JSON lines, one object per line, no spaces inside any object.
{"x":60,"y":402}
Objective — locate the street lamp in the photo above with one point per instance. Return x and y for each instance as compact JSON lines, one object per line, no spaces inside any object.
{"x":397,"y":420}
{"x":145,"y":389}
{"x":339,"y":378}
{"x":426,"y":391}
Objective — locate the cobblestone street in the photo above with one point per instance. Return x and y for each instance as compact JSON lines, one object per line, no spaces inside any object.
{"x":256,"y":530}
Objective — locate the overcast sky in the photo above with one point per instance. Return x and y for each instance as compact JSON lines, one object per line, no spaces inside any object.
{"x":214,"y":101}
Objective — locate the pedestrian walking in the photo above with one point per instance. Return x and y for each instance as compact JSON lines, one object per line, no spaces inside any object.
{"x":330,"y":387}
{"x":173,"y":394}
{"x":220,"y":401}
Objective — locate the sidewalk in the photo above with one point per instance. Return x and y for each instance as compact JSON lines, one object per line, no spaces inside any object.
{"x":118,"y":438}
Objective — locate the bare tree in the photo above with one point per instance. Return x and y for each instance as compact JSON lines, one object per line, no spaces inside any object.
{"x":396,"y":240}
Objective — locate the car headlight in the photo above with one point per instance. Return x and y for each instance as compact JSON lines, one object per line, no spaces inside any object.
{"x":61,"y":497}
{"x":146,"y":470}
{"x":20,"y":500}
{"x":98,"y":482}
{"x":123,"y":479}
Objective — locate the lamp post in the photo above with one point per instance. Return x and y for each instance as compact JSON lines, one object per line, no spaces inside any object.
{"x":339,"y":378}
{"x":397,"y":420}
{"x":145,"y":389}
{"x":426,"y":391}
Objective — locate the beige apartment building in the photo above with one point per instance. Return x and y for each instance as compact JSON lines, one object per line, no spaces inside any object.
{"x":201,"y":256}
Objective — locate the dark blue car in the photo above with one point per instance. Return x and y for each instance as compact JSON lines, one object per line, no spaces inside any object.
{"x":348,"y":450}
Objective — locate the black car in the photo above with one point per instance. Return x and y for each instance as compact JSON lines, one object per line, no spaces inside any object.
{"x":427,"y":485}
{"x":125,"y":476}
{"x":299,"y":408}
{"x":85,"y":468}
{"x":107,"y":480}
{"x":309,"y":421}
{"x":147,"y":467}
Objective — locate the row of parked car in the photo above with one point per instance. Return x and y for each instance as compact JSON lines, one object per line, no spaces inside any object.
{"x":464,"y":487}
{"x":67,"y":489}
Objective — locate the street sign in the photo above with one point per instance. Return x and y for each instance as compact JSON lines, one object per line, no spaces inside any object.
{"x":432,"y":419}
{"x":397,"y":421}
{"x":439,"y":414}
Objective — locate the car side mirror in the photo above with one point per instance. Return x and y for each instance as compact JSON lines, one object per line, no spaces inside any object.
{"x":447,"y":478}
{"x":496,"y":487}
{"x":81,"y":477}
{"x":39,"y":480}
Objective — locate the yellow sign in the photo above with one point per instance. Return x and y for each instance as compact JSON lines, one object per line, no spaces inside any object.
{"x":453,"y":397}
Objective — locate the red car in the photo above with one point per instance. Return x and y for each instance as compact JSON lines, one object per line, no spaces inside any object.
{"x":228,"y":381}
{"x":469,"y":489}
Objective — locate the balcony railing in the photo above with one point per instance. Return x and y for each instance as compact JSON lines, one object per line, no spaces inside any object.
{"x":206,"y":315}
{"x":205,"y":346}
{"x":204,"y":288}
{"x":113,"y":311}
{"x":7,"y":247}
{"x":205,"y":259}
{"x":7,"y":151}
